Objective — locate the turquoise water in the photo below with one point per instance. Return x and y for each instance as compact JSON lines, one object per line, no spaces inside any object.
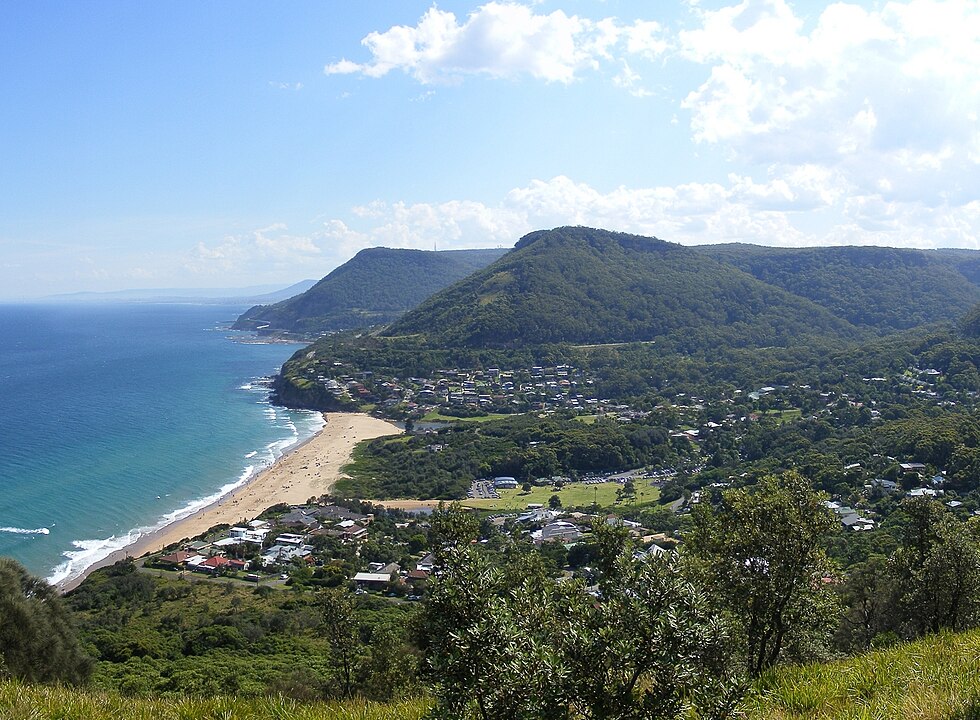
{"x":116,"y":419}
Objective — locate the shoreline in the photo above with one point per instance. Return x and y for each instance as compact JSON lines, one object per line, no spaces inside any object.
{"x":308,"y":469}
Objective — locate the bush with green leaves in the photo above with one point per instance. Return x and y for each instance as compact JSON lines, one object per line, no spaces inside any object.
{"x":37,"y":638}
{"x":761,"y":554}
{"x":503,"y":640}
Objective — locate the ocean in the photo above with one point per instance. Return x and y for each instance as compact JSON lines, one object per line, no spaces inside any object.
{"x":116,"y":419}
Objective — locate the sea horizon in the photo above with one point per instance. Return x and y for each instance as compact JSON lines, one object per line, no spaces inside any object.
{"x":119,"y":419}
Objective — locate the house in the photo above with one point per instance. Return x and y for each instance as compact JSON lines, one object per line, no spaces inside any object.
{"x":536,"y":515}
{"x":353,"y":532}
{"x":426,"y":564}
{"x":856,"y":523}
{"x":909,"y":468}
{"x":561,"y":531}
{"x":924,"y":492}
{"x":372,"y":581}
{"x":282,"y":554}
{"x":334,"y":513}
{"x":886,"y":485}
{"x":214,"y":565}
{"x":247,"y":535}
{"x":178,"y":558}
{"x":651,"y":552}
{"x":299,"y":517}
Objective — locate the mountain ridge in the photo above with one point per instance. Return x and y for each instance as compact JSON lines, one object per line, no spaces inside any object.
{"x":884,"y":288}
{"x":584,"y":285}
{"x":373,"y":288}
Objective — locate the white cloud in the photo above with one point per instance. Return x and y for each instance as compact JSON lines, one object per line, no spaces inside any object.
{"x":502,"y":40}
{"x":267,"y":249}
{"x":859,"y":82}
{"x":776,"y":210}
{"x":630,"y":81}
{"x":453,"y":224}
{"x":883,"y":103}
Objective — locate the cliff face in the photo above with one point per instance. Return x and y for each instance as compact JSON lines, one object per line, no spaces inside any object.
{"x":302,"y":394}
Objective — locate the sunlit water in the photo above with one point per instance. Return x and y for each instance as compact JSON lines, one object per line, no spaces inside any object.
{"x":115,"y":419}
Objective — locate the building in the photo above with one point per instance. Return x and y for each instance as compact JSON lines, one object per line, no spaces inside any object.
{"x":372,"y":581}
{"x":505,"y":483}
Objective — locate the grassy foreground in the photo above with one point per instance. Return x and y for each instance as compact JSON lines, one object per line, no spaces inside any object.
{"x":937,"y":678}
{"x":933,"y":679}
{"x":23,"y":702}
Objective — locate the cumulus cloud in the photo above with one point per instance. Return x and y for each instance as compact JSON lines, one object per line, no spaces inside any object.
{"x":502,"y":40}
{"x":775,"y":210}
{"x":897,"y":85}
{"x":267,"y":248}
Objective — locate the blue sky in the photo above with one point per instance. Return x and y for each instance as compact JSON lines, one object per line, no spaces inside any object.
{"x":188,"y":144}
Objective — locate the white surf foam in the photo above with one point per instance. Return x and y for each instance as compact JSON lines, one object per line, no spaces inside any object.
{"x":89,"y":552}
{"x":25,"y":531}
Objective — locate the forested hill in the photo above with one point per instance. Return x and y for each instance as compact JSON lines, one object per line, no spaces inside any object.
{"x":884,"y":288}
{"x":586,"y":286}
{"x":374,"y":287}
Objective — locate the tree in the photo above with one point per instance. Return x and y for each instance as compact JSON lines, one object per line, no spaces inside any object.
{"x":646,"y":647}
{"x":760,"y":554}
{"x":389,"y":669}
{"x":37,"y":639}
{"x":867,"y":594}
{"x":554,"y":502}
{"x":937,"y":569}
{"x":340,"y":625}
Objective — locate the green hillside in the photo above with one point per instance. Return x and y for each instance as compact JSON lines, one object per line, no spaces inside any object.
{"x":937,"y":678}
{"x":585,"y":286}
{"x":374,"y":287}
{"x":884,"y":288}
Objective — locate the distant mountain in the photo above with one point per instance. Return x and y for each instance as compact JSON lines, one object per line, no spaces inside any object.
{"x":584,"y":286}
{"x":883,"y":288}
{"x":374,"y":287}
{"x":236,"y":296}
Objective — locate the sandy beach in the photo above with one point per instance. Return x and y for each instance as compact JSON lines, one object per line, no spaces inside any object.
{"x":308,"y":470}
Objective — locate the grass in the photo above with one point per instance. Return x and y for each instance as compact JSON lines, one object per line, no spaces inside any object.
{"x":27,"y":702}
{"x":937,"y":678}
{"x":572,"y":495}
{"x":436,"y":416}
{"x":784,"y":416}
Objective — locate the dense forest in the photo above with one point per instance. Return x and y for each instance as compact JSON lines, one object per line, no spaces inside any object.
{"x":584,"y":286}
{"x":884,"y":288}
